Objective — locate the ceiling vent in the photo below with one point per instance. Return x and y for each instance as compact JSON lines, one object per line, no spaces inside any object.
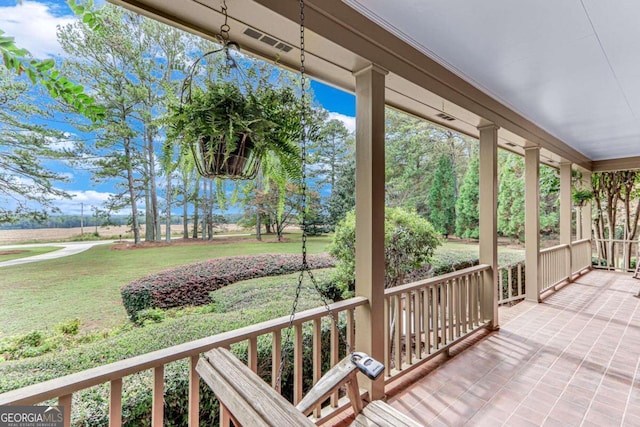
{"x":445,"y":117}
{"x":255,"y":34}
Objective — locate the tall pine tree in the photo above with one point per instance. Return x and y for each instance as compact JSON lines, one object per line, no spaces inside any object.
{"x":442,"y":197}
{"x":467,"y":215}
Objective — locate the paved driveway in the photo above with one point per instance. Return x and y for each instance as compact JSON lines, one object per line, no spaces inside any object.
{"x":67,"y":248}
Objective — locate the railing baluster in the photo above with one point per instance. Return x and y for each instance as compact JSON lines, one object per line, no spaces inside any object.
{"x":317,"y":356}
{"x":157,"y":402}
{"x":252,"y":354}
{"x":472,"y":305}
{"x":521,"y":290}
{"x":458,"y":305}
{"x":434,"y":316}
{"x":115,"y":403}
{"x":397,"y":328}
{"x":387,"y":336}
{"x":443,"y":314}
{"x":451,"y":310}
{"x":194,"y":393}
{"x":276,"y":356}
{"x":335,"y":355}
{"x":463,"y":305}
{"x":225,"y":416}
{"x":297,"y":364}
{"x":426,"y":304}
{"x":500,"y":291}
{"x":417,"y":328}
{"x":350,"y":329}
{"x":509,"y":282}
{"x":407,"y":329}
{"x":65,"y":402}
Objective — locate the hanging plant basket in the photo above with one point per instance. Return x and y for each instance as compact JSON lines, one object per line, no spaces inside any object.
{"x":581,"y":197}
{"x":214,"y":159}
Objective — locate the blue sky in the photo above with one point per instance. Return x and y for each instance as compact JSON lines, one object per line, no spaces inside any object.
{"x":33,"y":24}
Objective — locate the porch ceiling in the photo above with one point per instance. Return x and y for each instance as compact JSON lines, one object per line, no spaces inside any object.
{"x":527,"y":65}
{"x":570,"y":66}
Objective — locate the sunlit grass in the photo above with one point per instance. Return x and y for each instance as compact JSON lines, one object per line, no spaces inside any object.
{"x":87,"y":285}
{"x":17,"y":253}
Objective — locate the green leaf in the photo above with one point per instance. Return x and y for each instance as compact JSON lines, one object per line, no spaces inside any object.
{"x":32,"y":75}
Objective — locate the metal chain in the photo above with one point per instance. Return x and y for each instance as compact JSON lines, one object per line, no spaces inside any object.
{"x":303,"y":209}
{"x":224,"y":28}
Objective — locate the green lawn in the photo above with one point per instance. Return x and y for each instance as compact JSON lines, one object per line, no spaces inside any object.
{"x":17,"y":253}
{"x":455,"y":250}
{"x":241,"y":304}
{"x":87,"y":285}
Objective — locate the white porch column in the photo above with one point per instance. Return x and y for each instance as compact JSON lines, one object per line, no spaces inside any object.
{"x":370,"y":195}
{"x":489,"y":217}
{"x":565,"y":203}
{"x":532,"y":222}
{"x":566,"y":210}
{"x":585,"y":211}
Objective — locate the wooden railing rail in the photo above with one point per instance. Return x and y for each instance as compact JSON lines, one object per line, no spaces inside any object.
{"x":554,"y":266}
{"x":511,"y":283}
{"x":422,"y":319}
{"x":427,"y":317}
{"x":616,"y":254}
{"x":113,"y":373}
{"x":580,"y":255}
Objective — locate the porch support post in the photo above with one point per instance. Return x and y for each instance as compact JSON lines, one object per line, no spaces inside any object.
{"x":566,"y":210}
{"x":489,"y":218}
{"x":532,"y":222}
{"x":370,"y":196}
{"x":585,"y":211}
{"x":565,"y":203}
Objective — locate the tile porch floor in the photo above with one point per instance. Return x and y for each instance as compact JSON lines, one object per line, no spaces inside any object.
{"x":571,"y":361}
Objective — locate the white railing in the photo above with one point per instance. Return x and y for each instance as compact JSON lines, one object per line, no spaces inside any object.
{"x":63,"y":388}
{"x":422,"y":319}
{"x":555,"y":266}
{"x":616,"y":254}
{"x":580,"y":255}
{"x":511,"y":283}
{"x":427,"y":317}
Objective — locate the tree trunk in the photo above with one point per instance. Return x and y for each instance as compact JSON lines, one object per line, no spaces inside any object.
{"x":148,"y":215}
{"x":185,"y":214}
{"x":205,"y":209}
{"x":155,"y":212}
{"x":196,"y":198}
{"x":169,"y":197}
{"x":132,"y":192}
{"x":258,"y":226}
{"x":210,"y":211}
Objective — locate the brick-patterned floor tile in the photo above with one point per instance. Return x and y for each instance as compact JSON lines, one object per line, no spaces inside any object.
{"x":572,"y":360}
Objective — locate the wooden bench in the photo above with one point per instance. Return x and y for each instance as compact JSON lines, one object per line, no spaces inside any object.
{"x":252,"y":402}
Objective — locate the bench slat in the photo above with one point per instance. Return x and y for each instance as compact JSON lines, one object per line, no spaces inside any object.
{"x":379,"y":413}
{"x":245,"y":394}
{"x":345,"y":371}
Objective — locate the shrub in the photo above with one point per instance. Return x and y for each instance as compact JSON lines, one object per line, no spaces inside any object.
{"x":409,"y":240}
{"x":191,"y":284}
{"x":150,"y":315}
{"x":69,"y":328}
{"x":91,"y":405}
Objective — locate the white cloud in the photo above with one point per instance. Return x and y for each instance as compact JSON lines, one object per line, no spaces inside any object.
{"x":61,"y":144}
{"x":349,"y":122}
{"x":34,"y":26}
{"x":81,"y":199}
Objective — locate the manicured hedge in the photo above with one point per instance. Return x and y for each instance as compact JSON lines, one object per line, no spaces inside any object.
{"x":190,"y":284}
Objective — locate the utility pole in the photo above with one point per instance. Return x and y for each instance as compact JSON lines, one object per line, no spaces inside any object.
{"x":81,"y":218}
